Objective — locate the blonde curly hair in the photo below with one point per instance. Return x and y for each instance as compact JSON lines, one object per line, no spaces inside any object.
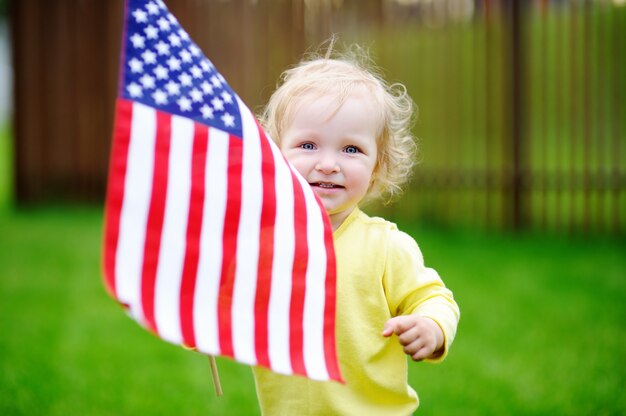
{"x":339,"y":75}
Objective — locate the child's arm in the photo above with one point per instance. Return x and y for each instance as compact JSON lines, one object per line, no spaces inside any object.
{"x":421,"y":337}
{"x":423,"y":312}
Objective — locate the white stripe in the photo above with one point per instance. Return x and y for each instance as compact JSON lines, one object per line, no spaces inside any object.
{"x":174,"y":234}
{"x":282,"y":268}
{"x":244,"y":291}
{"x":134,"y":213}
{"x":210,"y":260}
{"x":313,"y":316}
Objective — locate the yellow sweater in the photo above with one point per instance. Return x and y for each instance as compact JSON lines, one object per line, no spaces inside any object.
{"x":380,"y":274}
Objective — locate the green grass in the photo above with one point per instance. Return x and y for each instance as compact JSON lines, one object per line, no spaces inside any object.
{"x":541,"y":331}
{"x":68,"y":349}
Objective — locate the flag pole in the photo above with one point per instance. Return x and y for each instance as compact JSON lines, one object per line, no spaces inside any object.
{"x":216,"y":376}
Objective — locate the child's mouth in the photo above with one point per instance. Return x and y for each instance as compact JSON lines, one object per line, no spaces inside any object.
{"x":325,"y":185}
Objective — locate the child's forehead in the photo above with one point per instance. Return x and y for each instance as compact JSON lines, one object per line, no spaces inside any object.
{"x":332,"y":99}
{"x":326,"y":105}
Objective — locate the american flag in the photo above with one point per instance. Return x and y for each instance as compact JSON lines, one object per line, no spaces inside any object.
{"x":212,"y":240}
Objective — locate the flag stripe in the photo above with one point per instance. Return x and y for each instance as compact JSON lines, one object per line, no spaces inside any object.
{"x":134,"y":215}
{"x":280,"y":292}
{"x":115,"y":191}
{"x":266,"y":247}
{"x":313,"y":315}
{"x":194,"y":228}
{"x":229,"y":242}
{"x":330,"y":349}
{"x":211,"y":250}
{"x":156,"y":215}
{"x":244,"y":289}
{"x":173,"y":236}
{"x":300,"y":262}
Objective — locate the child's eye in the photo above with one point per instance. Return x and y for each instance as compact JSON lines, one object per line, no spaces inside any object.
{"x":307,"y":146}
{"x":351,"y":149}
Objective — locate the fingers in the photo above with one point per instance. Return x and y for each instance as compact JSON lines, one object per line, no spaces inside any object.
{"x":397,"y":325}
{"x":414,"y":334}
{"x":420,"y":348}
{"x":387,"y":331}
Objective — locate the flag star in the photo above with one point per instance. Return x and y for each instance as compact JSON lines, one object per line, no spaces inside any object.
{"x":151,"y":32}
{"x":227,"y":97}
{"x":135,"y":65}
{"x":164,"y":24}
{"x":163,"y":48}
{"x":160,"y":97}
{"x":153,"y":8}
{"x":172,"y":88}
{"x":161,"y":72}
{"x":140,"y":16}
{"x":229,"y":121}
{"x":174,"y":40}
{"x":185,"y":55}
{"x":195,"y":51}
{"x":183,"y":35}
{"x":206,"y":87}
{"x":216,"y":82}
{"x":196,"y":71}
{"x":172,"y":19}
{"x":160,"y":3}
{"x":217,"y":104}
{"x":196,"y":95}
{"x":185,"y":79}
{"x":221,"y":78}
{"x":174,"y":63}
{"x":138,"y":41}
{"x":149,"y":57}
{"x":134,"y":90}
{"x":206,"y":65}
{"x":184,"y":103}
{"x":147,"y":81}
{"x":207,"y":111}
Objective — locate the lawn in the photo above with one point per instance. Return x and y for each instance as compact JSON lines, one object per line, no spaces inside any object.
{"x":542,"y":329}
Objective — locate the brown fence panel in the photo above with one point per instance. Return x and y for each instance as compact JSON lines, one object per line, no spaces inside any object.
{"x":65,"y":60}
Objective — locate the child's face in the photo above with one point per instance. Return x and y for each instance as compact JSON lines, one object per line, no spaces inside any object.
{"x":335,"y":151}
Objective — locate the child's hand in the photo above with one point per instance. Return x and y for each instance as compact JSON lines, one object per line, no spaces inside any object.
{"x":421,"y":337}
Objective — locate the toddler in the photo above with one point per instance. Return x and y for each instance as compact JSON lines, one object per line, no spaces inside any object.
{"x":347,"y":132}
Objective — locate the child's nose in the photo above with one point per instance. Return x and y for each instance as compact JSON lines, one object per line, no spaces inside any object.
{"x":327,"y":164}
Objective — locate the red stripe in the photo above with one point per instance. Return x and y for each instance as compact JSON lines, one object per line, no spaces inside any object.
{"x":115,"y":191}
{"x":194,"y":227}
{"x":330,"y":351}
{"x":156,"y":214}
{"x":229,"y":245}
{"x":298,"y":289}
{"x":266,"y":252}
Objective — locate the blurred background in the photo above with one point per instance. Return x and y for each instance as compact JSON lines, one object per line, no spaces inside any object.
{"x":519,"y":199}
{"x":521,"y":120}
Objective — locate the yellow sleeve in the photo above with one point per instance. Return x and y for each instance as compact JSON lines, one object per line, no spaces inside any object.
{"x":410,"y":287}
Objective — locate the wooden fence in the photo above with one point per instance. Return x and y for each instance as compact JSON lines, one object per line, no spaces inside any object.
{"x":522,"y":122}
{"x":521,"y":125}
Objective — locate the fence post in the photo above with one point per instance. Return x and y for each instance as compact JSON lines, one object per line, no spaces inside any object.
{"x":516,"y":184}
